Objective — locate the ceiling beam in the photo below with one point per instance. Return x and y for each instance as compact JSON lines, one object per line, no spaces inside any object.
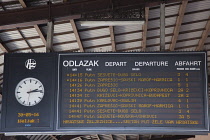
{"x":111,"y":29}
{"x":3,"y":48}
{"x":40,"y":34}
{"x":53,"y":137}
{"x":63,"y":11}
{"x":178,"y":24}
{"x":22,"y":2}
{"x":204,"y":36}
{"x":74,"y":27}
{"x":50,"y":31}
{"x":144,"y":28}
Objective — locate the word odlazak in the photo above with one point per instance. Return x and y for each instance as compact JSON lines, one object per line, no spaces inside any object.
{"x":84,"y":63}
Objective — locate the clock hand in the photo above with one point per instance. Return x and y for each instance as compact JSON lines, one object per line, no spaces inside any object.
{"x":39,"y":91}
{"x":36,"y":90}
{"x":32,"y":91}
{"x":28,"y":98}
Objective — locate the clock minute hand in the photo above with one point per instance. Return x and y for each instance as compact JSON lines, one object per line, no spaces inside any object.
{"x":39,"y":91}
{"x":35,"y":90}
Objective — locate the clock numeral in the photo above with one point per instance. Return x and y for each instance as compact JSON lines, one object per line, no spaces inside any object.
{"x":36,"y":82}
{"x":24,"y":82}
{"x":19,"y":97}
{"x":39,"y":97}
{"x":20,"y":86}
{"x":35,"y":102}
{"x":18,"y":92}
{"x":23,"y":102}
{"x":40,"y":86}
{"x":30,"y":80}
{"x":29,"y":103}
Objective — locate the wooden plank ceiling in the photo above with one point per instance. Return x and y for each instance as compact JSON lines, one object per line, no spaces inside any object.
{"x":187,"y":28}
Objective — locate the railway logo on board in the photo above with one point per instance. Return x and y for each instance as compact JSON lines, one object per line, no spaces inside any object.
{"x":30,"y":64}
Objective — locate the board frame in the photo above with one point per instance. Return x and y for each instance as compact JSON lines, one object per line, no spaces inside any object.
{"x":4,"y":129}
{"x":145,"y":130}
{"x":56,"y":129}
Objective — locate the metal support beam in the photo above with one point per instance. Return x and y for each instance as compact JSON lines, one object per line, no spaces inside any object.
{"x":98,"y":137}
{"x":77,"y":35}
{"x":111,"y":29}
{"x":4,"y":48}
{"x":50,"y":31}
{"x":178,"y":24}
{"x":53,"y":137}
{"x":144,"y":28}
{"x":40,"y":34}
{"x":63,"y":11}
{"x":203,"y":36}
{"x":162,"y":27}
{"x":22,"y":2}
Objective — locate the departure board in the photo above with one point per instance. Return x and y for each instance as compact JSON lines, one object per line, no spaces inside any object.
{"x":29,"y":92}
{"x":132,"y":91}
{"x":98,"y":93}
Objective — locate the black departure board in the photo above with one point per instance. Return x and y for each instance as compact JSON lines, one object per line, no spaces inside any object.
{"x":28,"y":92}
{"x":133,"y":91}
{"x":97,"y":93}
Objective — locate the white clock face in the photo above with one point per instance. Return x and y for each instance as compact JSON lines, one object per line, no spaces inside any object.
{"x":29,"y":91}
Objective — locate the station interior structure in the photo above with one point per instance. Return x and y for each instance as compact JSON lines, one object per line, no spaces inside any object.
{"x":45,"y":26}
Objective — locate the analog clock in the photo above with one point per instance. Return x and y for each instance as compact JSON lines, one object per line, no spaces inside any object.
{"x":29,"y":91}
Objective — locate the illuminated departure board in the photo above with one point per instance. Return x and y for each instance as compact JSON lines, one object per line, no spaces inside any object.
{"x":97,"y":93}
{"x":132,"y":91}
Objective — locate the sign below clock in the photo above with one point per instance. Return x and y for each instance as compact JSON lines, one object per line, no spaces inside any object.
{"x":80,"y":93}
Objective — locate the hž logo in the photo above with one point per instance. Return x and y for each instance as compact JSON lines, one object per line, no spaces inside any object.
{"x":30,"y":64}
